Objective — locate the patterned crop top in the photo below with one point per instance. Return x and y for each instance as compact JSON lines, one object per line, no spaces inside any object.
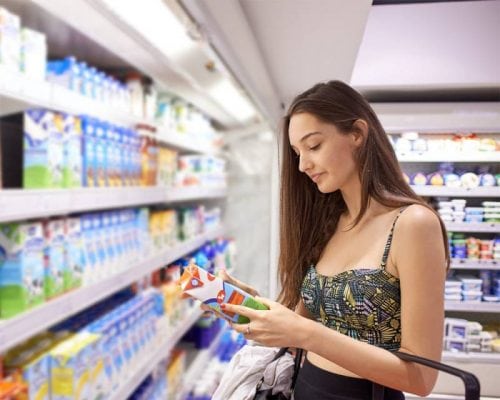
{"x":363,"y":303}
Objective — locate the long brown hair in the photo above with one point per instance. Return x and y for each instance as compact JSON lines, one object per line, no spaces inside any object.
{"x":308,"y":218}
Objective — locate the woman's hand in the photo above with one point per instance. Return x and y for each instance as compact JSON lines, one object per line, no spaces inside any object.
{"x":276,"y":327}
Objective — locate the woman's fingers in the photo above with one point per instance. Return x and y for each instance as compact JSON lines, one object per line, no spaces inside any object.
{"x":228,"y":278}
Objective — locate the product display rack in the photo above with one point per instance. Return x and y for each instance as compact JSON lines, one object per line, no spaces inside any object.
{"x":472,"y":307}
{"x":491,"y":227}
{"x":479,"y":157}
{"x":443,"y":191}
{"x":18,"y":93}
{"x":492,"y":265}
{"x":160,"y":352}
{"x":20,"y":204}
{"x":460,"y":118}
{"x":15,"y":330}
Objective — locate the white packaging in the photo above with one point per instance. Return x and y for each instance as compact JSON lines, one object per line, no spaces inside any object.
{"x":455,"y":328}
{"x":10,"y":40}
{"x":472,"y":296}
{"x":33,"y":54}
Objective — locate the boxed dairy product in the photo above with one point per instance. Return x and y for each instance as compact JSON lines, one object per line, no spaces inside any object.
{"x":107,"y":237}
{"x":43,"y":149}
{"x":100,"y":247}
{"x":10,"y":40}
{"x":33,"y":53}
{"x":55,"y":260}
{"x":74,"y":254}
{"x":88,"y":152}
{"x":70,"y":368}
{"x":116,"y":237}
{"x":72,"y":142}
{"x":21,"y":267}
{"x":32,"y":367}
{"x":101,"y":146}
{"x":65,"y":72}
{"x":213,"y":291}
{"x":89,"y":249}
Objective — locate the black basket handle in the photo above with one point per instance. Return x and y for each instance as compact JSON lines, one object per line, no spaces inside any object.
{"x":472,"y":385}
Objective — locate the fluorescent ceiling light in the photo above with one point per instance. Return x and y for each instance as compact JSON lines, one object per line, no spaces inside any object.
{"x":156,"y":23}
{"x":232,"y":100}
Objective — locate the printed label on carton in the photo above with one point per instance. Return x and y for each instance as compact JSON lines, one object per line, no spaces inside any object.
{"x":213,"y":291}
{"x":21,"y":267}
{"x":72,"y":171}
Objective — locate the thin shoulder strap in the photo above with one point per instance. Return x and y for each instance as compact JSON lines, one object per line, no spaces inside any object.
{"x":389,"y":240}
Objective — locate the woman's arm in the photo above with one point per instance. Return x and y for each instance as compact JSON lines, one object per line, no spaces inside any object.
{"x":302,"y":310}
{"x":418,"y":253}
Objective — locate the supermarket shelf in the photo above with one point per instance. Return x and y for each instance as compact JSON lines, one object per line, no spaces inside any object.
{"x":198,"y":365}
{"x":443,"y":191}
{"x":457,"y":263}
{"x":491,"y":156}
{"x":485,"y":358}
{"x":472,"y":307}
{"x":18,"y":93}
{"x":471,"y":227}
{"x":149,"y":363}
{"x":20,"y":204}
{"x":182,"y":142}
{"x":19,"y":328}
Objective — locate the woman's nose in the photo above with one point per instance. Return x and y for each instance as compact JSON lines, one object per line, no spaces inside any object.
{"x":304,"y":164}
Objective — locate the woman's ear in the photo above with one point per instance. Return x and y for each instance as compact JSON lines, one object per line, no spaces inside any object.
{"x":359,"y":132}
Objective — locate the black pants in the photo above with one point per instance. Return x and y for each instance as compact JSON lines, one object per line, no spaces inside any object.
{"x":318,"y":384}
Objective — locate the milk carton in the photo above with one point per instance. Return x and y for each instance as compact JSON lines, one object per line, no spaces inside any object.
{"x":43,"y":150}
{"x":88,"y":152}
{"x":71,"y":369}
{"x":101,"y":154}
{"x":33,"y":369}
{"x":21,"y":267}
{"x":10,"y":40}
{"x":116,"y":237}
{"x":55,"y":260}
{"x":100,"y":246}
{"x":107,"y":238}
{"x":65,"y":72}
{"x":33,"y":54}
{"x":213,"y":291}
{"x":74,"y":253}
{"x":89,"y":249}
{"x":72,"y":142}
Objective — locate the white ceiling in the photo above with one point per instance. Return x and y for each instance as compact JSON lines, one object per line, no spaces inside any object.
{"x":441,"y":49}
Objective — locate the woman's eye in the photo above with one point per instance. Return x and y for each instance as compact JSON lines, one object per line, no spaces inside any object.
{"x":315,"y":147}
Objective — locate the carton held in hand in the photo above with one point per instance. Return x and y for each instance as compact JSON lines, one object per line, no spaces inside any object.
{"x":213,"y":291}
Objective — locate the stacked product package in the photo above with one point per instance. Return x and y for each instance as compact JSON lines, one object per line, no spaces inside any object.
{"x":468,"y":336}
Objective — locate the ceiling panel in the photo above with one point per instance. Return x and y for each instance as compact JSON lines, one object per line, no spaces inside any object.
{"x":304,"y":42}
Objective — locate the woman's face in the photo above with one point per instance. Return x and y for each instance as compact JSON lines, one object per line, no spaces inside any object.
{"x":325,"y":154}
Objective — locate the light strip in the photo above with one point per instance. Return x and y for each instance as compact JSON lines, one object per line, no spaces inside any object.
{"x":154,"y":20}
{"x":232,"y":100}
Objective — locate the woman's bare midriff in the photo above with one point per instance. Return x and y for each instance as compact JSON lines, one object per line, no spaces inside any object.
{"x":329,"y":366}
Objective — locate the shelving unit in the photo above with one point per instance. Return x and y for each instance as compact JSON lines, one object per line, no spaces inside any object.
{"x":18,"y":93}
{"x":438,"y":118}
{"x":491,"y":265}
{"x":488,"y":358}
{"x":148,"y":364}
{"x":24,"y":204}
{"x":483,"y":307}
{"x":491,"y":227}
{"x":443,"y":191}
{"x":19,"y":328}
{"x":479,"y":157}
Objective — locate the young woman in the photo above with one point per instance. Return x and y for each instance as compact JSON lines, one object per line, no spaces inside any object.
{"x":362,"y":260}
